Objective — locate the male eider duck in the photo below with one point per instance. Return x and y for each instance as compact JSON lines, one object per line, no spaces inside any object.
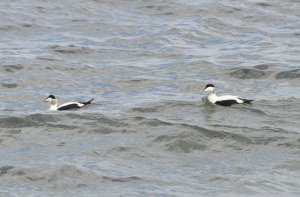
{"x":65,"y":106}
{"x":226,"y":100}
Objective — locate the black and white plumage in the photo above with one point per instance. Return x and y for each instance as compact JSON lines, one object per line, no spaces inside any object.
{"x":66,"y":106}
{"x":226,"y":100}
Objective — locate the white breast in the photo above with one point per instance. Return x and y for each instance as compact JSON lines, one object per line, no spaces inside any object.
{"x":53,"y":108}
{"x":212,"y":98}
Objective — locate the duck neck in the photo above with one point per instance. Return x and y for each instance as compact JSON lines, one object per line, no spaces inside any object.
{"x":53,"y":106}
{"x":213,"y":92}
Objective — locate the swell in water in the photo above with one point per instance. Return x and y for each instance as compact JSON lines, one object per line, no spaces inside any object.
{"x":85,"y":152}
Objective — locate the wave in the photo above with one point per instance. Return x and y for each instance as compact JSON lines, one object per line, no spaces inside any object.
{"x":263,"y":71}
{"x":61,"y":177}
{"x":187,"y":138}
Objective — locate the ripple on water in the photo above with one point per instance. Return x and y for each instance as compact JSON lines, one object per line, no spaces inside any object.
{"x":9,"y":85}
{"x":5,"y":169}
{"x":190,"y":138}
{"x":245,"y":73}
{"x":36,"y":120}
{"x":12,"y":68}
{"x":71,"y":49}
{"x":59,"y":177}
{"x":291,"y":74}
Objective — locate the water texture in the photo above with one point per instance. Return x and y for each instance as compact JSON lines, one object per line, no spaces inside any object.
{"x":149,"y":131}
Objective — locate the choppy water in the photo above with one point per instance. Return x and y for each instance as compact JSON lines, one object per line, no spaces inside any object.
{"x":150,"y":131}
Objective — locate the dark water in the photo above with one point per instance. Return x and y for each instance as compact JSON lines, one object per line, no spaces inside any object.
{"x":150,"y":131}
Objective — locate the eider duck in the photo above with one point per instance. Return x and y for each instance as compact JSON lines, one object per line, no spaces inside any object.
{"x":226,"y":100}
{"x":65,"y":106}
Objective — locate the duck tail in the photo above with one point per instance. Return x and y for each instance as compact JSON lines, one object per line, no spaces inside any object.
{"x":247,"y":101}
{"x":88,"y":102}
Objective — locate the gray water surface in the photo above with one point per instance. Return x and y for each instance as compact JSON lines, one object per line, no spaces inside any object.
{"x":149,"y":131}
